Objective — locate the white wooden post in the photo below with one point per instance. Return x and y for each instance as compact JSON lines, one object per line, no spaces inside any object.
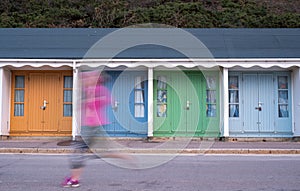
{"x":225,"y":103}
{"x":75,"y":110}
{"x":150,"y":102}
{"x":296,"y":102}
{"x":1,"y":100}
{"x":5,"y":94}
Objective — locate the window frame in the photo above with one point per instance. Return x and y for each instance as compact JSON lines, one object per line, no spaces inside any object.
{"x":211,"y":101}
{"x":283,"y":101}
{"x":15,"y":89}
{"x":69,"y":89}
{"x":161,"y":102}
{"x":234,"y":88}
{"x":139,"y":90}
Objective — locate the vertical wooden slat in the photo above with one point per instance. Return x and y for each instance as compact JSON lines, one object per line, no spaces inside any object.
{"x":266,"y":97}
{"x":194,"y":96}
{"x":35,"y":114}
{"x":51,"y":95}
{"x":250,"y":87}
{"x":121,"y":94}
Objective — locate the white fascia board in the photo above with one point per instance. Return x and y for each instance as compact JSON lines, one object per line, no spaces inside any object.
{"x":263,"y":63}
{"x":190,"y":63}
{"x":169,"y":63}
{"x":36,"y":62}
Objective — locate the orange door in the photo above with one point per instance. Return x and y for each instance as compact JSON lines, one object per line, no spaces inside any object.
{"x":44,"y":101}
{"x":41,"y":103}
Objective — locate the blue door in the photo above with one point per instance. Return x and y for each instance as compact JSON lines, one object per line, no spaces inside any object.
{"x":251,"y":100}
{"x":283,"y":109}
{"x":128,"y":114}
{"x":260,"y":104}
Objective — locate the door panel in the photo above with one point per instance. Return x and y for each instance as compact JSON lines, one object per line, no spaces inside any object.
{"x":210,"y":104}
{"x":51,"y":95}
{"x":194,"y":96}
{"x":250,"y":85}
{"x":36,"y":88}
{"x":121,"y":113}
{"x":165,"y":102}
{"x":170,"y":109}
{"x":177,"y":103}
{"x":283,"y":92}
{"x":266,"y":98}
{"x":139,"y":104}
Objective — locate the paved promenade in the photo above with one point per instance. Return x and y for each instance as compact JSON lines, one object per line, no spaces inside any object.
{"x":195,"y":146}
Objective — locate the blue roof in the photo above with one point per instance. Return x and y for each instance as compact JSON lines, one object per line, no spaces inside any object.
{"x":73,"y":43}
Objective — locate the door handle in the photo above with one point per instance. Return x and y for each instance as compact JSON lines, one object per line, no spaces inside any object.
{"x":44,"y":106}
{"x":259,"y":108}
{"x":188,"y":103}
{"x":116,"y":105}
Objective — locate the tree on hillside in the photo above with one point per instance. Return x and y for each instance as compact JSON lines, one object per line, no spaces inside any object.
{"x":177,"y":13}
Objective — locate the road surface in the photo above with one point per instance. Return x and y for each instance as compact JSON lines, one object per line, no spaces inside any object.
{"x":20,"y":172}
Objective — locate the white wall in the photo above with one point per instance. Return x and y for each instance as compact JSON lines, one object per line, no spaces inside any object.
{"x":5,"y":83}
{"x":296,"y":101}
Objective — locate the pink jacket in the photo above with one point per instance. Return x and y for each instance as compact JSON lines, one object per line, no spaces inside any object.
{"x":94,"y":104}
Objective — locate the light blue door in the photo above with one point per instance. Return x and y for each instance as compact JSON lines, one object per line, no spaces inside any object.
{"x":260,"y":104}
{"x":259,"y":101}
{"x":266,"y":100}
{"x":283,"y":109}
{"x":128,"y":114}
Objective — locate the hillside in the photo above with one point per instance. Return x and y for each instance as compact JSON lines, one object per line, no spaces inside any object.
{"x":178,"y":13}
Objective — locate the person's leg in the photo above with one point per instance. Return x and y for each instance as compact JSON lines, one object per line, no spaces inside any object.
{"x":116,"y":155}
{"x":77,"y":160}
{"x":76,"y":173}
{"x":100,"y":140}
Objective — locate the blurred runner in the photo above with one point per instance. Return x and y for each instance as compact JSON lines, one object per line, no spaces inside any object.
{"x":95,"y":100}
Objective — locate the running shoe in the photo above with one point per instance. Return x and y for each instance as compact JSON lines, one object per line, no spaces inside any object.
{"x":70,"y":183}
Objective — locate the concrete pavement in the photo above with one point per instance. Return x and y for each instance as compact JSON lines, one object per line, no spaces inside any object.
{"x":194,"y":146}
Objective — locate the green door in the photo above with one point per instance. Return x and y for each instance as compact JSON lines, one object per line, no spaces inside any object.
{"x":180,"y":104}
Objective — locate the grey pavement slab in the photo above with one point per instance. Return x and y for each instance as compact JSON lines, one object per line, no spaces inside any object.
{"x":158,"y":146}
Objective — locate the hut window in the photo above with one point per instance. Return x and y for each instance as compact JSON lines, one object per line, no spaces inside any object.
{"x":19,"y":93}
{"x":139,"y":97}
{"x":68,"y":91}
{"x":162,"y":95}
{"x":233,"y":96}
{"x":211,"y":96}
{"x":283,"y":97}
